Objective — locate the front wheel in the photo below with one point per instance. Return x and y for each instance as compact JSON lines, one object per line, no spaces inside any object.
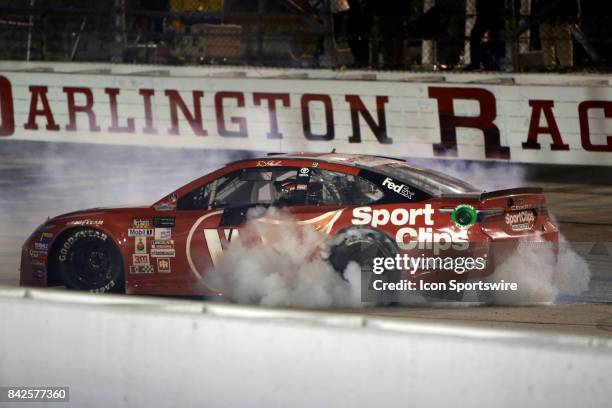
{"x":88,"y":259}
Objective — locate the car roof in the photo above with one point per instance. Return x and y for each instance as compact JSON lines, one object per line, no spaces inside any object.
{"x":377,"y":164}
{"x":353,"y":160}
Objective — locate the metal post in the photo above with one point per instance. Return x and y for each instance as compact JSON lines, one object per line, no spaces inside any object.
{"x":427,"y":48}
{"x":118,"y":49}
{"x":328,"y":56}
{"x":31,"y":24}
{"x":261,"y":7}
{"x":523,"y":39}
{"x":75,"y":46}
{"x":470,"y":20}
{"x":510,"y":60}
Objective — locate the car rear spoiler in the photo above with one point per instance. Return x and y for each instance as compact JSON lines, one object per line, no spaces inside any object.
{"x":511,"y":191}
{"x":485,"y":195}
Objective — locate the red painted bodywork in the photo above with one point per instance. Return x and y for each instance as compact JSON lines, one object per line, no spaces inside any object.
{"x":193,"y":255}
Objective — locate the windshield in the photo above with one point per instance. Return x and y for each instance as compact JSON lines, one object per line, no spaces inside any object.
{"x":429,"y":181}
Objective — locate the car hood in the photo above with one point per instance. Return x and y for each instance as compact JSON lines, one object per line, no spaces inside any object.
{"x":98,"y":211}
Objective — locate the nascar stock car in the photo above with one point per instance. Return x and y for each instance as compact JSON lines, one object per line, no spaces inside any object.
{"x":368,"y":206}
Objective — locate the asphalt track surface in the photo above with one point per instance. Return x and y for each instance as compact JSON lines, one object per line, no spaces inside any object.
{"x":38,"y":180}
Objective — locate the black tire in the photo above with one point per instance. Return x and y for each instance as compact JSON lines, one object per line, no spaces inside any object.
{"x":359,"y":245}
{"x":362,"y":245}
{"x":87,"y":259}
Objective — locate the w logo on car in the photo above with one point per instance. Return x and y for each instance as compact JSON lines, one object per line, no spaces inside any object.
{"x":213,"y":241}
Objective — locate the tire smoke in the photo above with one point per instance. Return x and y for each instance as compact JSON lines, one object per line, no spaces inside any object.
{"x":40,"y":180}
{"x":45,"y":179}
{"x":283,"y":272}
{"x":541,"y":275}
{"x":286,"y":268}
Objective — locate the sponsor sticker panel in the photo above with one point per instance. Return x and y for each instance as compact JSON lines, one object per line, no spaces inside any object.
{"x":137,"y":269}
{"x":140,"y":232}
{"x":520,"y":221}
{"x":163,"y":253}
{"x":162,"y":234}
{"x":163,"y":265}
{"x":140,"y":260}
{"x":140,"y":246}
{"x":141,"y":224}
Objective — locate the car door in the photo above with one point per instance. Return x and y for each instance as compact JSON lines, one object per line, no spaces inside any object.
{"x":210,"y":216}
{"x":258,"y":189}
{"x":178,"y":249}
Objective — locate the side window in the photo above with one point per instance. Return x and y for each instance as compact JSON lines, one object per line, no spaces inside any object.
{"x":333,"y":188}
{"x":266,"y":186}
{"x":199,"y":198}
{"x":394,"y":190}
{"x":237,"y":190}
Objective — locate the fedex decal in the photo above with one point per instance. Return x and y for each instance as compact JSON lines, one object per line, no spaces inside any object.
{"x":548,"y":124}
{"x":398,"y":188}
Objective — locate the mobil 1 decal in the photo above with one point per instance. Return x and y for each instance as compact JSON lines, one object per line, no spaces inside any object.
{"x":394,"y":190}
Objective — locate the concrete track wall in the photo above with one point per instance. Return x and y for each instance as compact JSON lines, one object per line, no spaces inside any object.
{"x":117,"y":351}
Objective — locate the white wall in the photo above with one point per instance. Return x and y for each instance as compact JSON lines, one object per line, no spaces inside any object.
{"x":412,"y":115}
{"x":139,"y":352}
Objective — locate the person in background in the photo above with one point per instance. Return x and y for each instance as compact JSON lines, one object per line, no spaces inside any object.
{"x":486,"y":44}
{"x":359,"y":25}
{"x":556,"y":19}
{"x":392,"y":26}
{"x":197,"y":5}
{"x":243,"y":6}
{"x":155,"y":24}
{"x":190,"y":12}
{"x":340,"y":10}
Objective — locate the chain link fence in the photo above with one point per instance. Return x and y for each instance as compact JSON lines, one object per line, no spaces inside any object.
{"x":506,"y":35}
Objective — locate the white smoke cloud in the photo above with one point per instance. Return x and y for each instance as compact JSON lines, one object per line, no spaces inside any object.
{"x":283,"y":273}
{"x":43,"y":180}
{"x":541,"y":275}
{"x":482,"y":175}
{"x":40,"y":180}
{"x":284,"y":268}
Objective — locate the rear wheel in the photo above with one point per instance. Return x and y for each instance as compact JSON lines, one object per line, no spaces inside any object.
{"x":363,"y":246}
{"x":88,"y":259}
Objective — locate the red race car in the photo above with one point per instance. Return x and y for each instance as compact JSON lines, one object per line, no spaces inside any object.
{"x":368,"y":206}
